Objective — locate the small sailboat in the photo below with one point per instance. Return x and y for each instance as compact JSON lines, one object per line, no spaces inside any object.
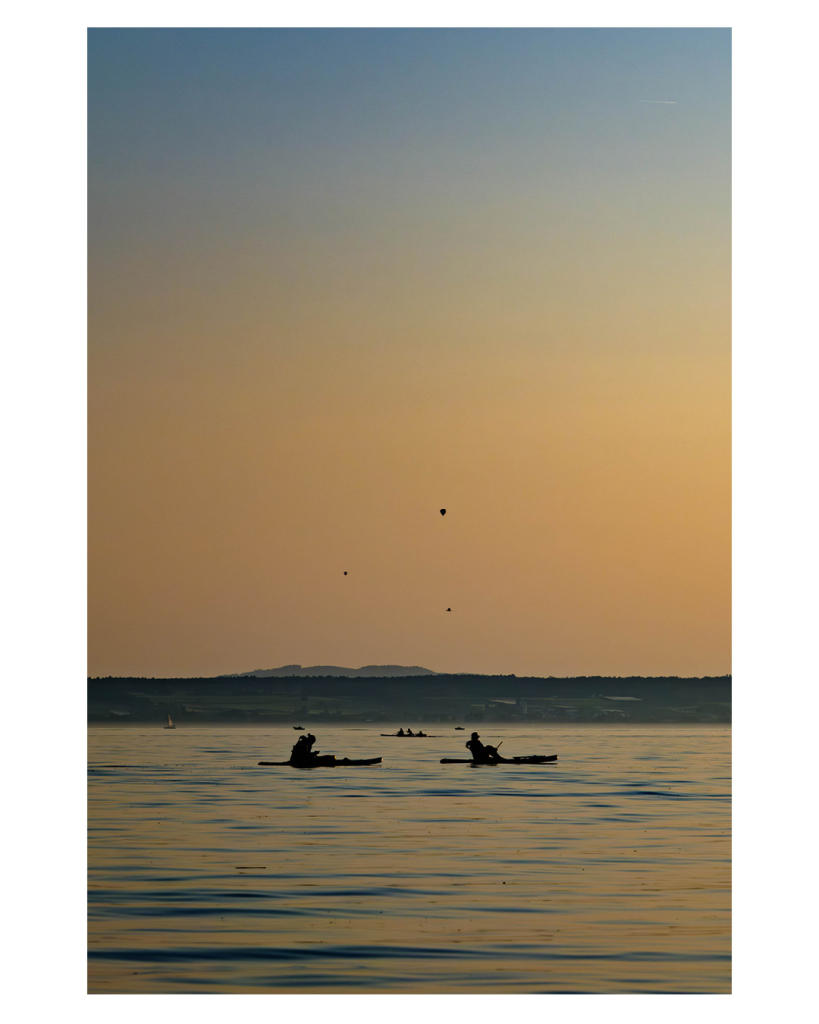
{"x":170,"y":724}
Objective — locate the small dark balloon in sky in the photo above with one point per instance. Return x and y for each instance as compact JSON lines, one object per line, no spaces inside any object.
{"x":443,"y":511}
{"x":345,"y":572}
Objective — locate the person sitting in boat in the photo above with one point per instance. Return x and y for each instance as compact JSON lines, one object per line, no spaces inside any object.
{"x":409,"y":732}
{"x":302,"y":752}
{"x":480,"y":753}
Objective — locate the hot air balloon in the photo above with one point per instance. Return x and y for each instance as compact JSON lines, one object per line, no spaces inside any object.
{"x":443,"y":511}
{"x":345,"y":572}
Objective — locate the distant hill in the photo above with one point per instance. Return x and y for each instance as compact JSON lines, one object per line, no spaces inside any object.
{"x":377,"y":671}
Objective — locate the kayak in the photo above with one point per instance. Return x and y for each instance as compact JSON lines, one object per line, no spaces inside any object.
{"x":533,"y":759}
{"x":406,"y":735}
{"x":325,"y":761}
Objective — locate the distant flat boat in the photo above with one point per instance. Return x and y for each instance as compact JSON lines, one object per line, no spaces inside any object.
{"x":299,"y":728}
{"x":324,"y":761}
{"x":412,"y":735}
{"x":170,"y":724}
{"x":532,"y":759}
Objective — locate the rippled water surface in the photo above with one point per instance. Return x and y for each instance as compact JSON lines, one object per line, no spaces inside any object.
{"x":605,"y":872}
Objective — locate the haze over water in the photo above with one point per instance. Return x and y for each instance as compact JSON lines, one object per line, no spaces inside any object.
{"x":607,"y":872}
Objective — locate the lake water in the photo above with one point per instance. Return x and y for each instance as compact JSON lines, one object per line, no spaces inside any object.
{"x":607,"y":872}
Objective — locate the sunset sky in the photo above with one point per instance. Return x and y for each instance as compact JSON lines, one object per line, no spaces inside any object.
{"x":340,"y":279}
